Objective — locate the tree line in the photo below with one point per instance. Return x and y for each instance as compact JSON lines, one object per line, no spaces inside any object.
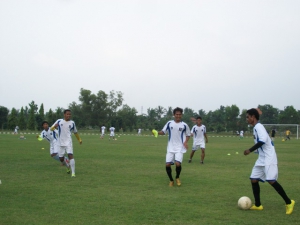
{"x":95,"y":110}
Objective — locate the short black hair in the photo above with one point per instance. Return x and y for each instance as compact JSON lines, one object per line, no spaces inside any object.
{"x":199,"y":117}
{"x":253,"y":112}
{"x":67,"y":110}
{"x":45,"y":122}
{"x":177,"y":109}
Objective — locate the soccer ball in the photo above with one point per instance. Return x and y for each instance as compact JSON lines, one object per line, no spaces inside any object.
{"x":244,"y":202}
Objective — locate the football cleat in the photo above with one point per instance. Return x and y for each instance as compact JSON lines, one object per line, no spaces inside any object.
{"x":178,"y":182}
{"x":73,"y":175}
{"x":190,"y":160}
{"x":68,"y":170}
{"x":290,"y":207}
{"x":171,"y":184}
{"x":254,"y":207}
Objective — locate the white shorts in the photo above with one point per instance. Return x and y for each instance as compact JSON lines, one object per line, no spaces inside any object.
{"x":65,"y":149}
{"x":196,"y":147}
{"x":264,"y":173}
{"x":112,"y":134}
{"x":53,"y":148}
{"x":102,"y":134}
{"x":170,"y":156}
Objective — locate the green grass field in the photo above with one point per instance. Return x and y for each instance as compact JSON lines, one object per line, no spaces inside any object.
{"x":124,"y":182}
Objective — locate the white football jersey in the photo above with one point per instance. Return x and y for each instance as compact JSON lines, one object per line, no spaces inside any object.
{"x":177,"y":135}
{"x":49,"y":135}
{"x":65,"y":130}
{"x":198,"y":134}
{"x":103,"y":129}
{"x":266,"y":153}
{"x":112,"y":130}
{"x":241,"y":133}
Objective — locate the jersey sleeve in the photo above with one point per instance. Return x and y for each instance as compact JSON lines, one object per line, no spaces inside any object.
{"x":261,"y":134}
{"x":187,"y":131}
{"x":166,"y":127}
{"x":74,"y":128}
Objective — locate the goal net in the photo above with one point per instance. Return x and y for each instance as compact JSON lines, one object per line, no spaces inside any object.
{"x":282,"y":128}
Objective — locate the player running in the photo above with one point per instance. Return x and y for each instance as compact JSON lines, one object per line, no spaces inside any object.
{"x":112,"y":133}
{"x":179,"y":135}
{"x":102,"y":131}
{"x":51,"y":137}
{"x":65,"y":128}
{"x":199,"y":139}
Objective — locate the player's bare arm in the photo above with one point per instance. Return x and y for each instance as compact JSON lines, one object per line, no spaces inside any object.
{"x":185,"y":144}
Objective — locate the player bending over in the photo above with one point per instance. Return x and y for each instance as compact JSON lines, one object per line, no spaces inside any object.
{"x":265,"y":168}
{"x":51,"y":137}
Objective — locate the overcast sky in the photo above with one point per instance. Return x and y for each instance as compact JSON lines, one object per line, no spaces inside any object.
{"x":198,"y":54}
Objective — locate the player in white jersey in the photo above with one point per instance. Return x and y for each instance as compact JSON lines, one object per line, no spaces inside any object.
{"x":51,"y":137}
{"x":16,"y":130}
{"x":265,"y":167}
{"x":179,"y":135}
{"x":199,"y":139}
{"x":65,"y":129}
{"x":139,"y":132}
{"x":102,"y":131}
{"x":241,"y":134}
{"x":112,"y":133}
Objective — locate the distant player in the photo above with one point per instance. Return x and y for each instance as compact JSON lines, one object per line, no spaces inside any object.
{"x":241,"y":134}
{"x":265,"y":168}
{"x":179,"y":135}
{"x":139,"y":132}
{"x":287,"y":134}
{"x":51,"y":137}
{"x":102,"y":131}
{"x":112,"y":133}
{"x":199,"y":139}
{"x":16,"y":130}
{"x":237,"y":133}
{"x":273,"y":132}
{"x":65,"y":128}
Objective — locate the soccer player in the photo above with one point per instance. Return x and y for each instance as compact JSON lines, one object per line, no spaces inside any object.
{"x":199,"y":134}
{"x":265,"y":167}
{"x":273,"y":132}
{"x":112,"y":133}
{"x":65,"y":128}
{"x":241,"y":134}
{"x":179,"y":135}
{"x":102,"y":131}
{"x":51,"y":137}
{"x":139,"y":132}
{"x":287,"y":134}
{"x":16,"y":130}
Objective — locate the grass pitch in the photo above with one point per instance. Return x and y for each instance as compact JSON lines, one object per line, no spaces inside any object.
{"x":124,"y":182}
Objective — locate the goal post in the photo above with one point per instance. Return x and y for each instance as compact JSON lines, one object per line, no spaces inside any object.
{"x":285,"y":126}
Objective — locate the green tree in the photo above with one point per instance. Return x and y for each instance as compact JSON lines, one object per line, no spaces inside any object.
{"x":269,"y":114}
{"x":40,"y":116}
{"x":160,"y":111}
{"x":3,"y":116}
{"x":50,"y":117}
{"x":22,"y":121}
{"x":289,"y":116}
{"x":231,"y":118}
{"x":126,"y":118}
{"x":13,"y":119}
{"x":32,"y":111}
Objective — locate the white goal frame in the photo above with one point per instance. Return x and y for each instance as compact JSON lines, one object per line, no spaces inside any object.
{"x":285,"y":125}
